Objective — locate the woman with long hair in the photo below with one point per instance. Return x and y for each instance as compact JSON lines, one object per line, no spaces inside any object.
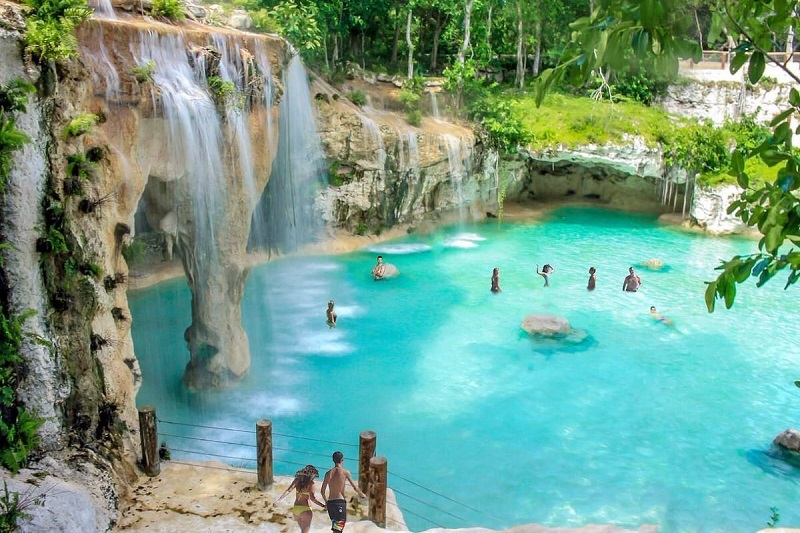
{"x":303,"y":483}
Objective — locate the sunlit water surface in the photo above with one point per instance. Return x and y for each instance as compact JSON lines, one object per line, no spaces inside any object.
{"x":641,"y":423}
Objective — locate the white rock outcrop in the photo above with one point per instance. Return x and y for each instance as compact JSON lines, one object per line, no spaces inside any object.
{"x":546,"y":325}
{"x":710,"y":209}
{"x":789,"y":439}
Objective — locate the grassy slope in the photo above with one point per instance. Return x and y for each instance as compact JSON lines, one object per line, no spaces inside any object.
{"x":571,"y":121}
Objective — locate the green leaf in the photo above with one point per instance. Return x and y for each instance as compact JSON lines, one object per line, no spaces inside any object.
{"x":730,"y":294}
{"x":756,"y":68}
{"x":711,"y":293}
{"x":738,"y":61}
{"x":794,"y":97}
{"x":781,"y":117}
{"x":773,"y":239}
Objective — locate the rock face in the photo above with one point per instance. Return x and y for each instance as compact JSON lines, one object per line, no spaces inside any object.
{"x":720,"y":101}
{"x":546,"y":325}
{"x":193,"y":154}
{"x":632,"y":177}
{"x":710,"y":209}
{"x":789,"y":439}
{"x":386,"y":172}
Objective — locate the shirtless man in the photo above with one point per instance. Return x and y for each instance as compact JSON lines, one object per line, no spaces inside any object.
{"x":379,"y":270}
{"x":335,"y":502}
{"x":659,"y":317}
{"x":632,"y":281}
{"x":331,"y":315}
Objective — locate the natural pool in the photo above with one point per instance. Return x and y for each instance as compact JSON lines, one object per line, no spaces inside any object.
{"x":642,"y":424}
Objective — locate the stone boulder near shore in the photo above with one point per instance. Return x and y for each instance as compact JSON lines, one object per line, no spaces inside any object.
{"x":652,"y":264}
{"x":789,"y":439}
{"x":390,"y":271}
{"x":546,"y":325}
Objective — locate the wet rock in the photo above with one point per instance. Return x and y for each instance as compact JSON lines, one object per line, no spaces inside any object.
{"x":789,"y":439}
{"x":652,"y":264}
{"x":546,"y":325}
{"x":240,"y":20}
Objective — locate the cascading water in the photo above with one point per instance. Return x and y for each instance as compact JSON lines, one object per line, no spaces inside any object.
{"x":459,"y":160}
{"x":284,"y":220}
{"x":434,"y":106}
{"x":103,"y":9}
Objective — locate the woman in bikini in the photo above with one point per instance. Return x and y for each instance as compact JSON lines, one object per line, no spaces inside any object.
{"x":545,"y":273}
{"x":303,"y":483}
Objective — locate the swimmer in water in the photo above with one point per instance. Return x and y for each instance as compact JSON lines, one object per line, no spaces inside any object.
{"x":592,"y":279}
{"x":659,"y":317}
{"x":545,"y":273}
{"x":331,"y":315}
{"x":379,"y":270}
{"x":496,"y":280}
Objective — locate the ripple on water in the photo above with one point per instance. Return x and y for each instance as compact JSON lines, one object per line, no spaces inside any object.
{"x":400,"y":248}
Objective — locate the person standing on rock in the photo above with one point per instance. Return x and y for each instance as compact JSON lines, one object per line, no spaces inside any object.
{"x":632,"y":281}
{"x":496,"y":280}
{"x":592,"y":278}
{"x":334,"y":482}
{"x":545,"y":273}
{"x":303,"y":483}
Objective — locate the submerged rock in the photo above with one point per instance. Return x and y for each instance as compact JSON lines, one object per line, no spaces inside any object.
{"x":652,"y":264}
{"x":546,"y":325}
{"x":390,"y":271}
{"x":789,"y":439}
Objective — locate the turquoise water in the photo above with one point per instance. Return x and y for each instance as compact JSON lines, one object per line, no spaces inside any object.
{"x":641,"y":423}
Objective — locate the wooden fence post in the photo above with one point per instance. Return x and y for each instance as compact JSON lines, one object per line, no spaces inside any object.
{"x":377,"y":490}
{"x":148,"y":430}
{"x":366,"y":451}
{"x":264,"y":453}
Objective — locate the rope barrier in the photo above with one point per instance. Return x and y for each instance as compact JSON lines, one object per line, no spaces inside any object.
{"x":316,"y":440}
{"x":423,"y":518}
{"x":325,"y":455}
{"x":427,"y":504}
{"x":207,"y":427}
{"x":207,"y":440}
{"x":437,"y":493}
{"x":230,"y":469}
{"x":214,"y":455}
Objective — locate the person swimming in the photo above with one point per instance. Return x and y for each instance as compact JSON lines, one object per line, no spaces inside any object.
{"x":659,"y":317}
{"x":545,"y":273}
{"x":592,"y":278}
{"x":496,"y":280}
{"x":331,"y":315}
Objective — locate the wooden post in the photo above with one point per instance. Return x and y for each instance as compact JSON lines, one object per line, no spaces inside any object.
{"x":148,"y":430}
{"x":378,"y":469}
{"x":366,"y":451}
{"x":264,"y":453}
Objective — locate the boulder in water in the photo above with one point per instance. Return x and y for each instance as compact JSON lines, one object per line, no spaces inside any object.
{"x":789,"y":439}
{"x":390,"y":271}
{"x":546,"y":325}
{"x":652,"y":264}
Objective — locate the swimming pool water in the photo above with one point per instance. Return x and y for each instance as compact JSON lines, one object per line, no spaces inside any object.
{"x":641,"y":423}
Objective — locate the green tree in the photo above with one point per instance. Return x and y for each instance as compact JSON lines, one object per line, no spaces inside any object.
{"x":658,"y":33}
{"x":297,"y":23}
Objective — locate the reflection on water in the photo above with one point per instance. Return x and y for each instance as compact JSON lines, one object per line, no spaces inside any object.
{"x":640,"y":423}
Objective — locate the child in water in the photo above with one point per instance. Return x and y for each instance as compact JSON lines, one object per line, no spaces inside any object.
{"x":659,"y":317}
{"x":545,"y":273}
{"x":331,"y":315}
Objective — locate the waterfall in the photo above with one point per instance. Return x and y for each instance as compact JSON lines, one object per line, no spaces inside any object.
{"x":102,"y":9}
{"x":104,"y":74}
{"x":285,"y":218}
{"x":459,"y":161}
{"x":434,"y":106}
{"x":194,"y":138}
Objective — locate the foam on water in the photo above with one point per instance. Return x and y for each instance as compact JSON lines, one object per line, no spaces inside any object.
{"x":460,"y":243}
{"x":400,"y":248}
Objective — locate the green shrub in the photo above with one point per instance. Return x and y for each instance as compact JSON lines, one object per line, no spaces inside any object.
{"x":414,"y":117}
{"x":409,"y":98}
{"x":502,"y":123}
{"x":49,"y":28}
{"x":18,"y":428}
{"x":81,"y":124}
{"x":134,"y":251}
{"x":358,"y":97}
{"x":171,"y":9}
{"x":222,"y":92}
{"x":361,"y":229}
{"x":639,"y":87}
{"x":13,"y":508}
{"x":143,"y":72}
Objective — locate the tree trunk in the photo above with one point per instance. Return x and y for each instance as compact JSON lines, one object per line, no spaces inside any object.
{"x":538,"y":54}
{"x":699,"y":29}
{"x":437,"y":32}
{"x":520,"y":75}
{"x":790,"y":41}
{"x":462,"y":52}
{"x":410,"y":47}
{"x":396,"y":42}
{"x":335,"y":56}
{"x":363,"y":52}
{"x":489,"y":33}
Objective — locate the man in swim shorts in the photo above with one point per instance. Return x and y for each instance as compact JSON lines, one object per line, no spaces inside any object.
{"x":334,"y":501}
{"x":632,"y":281}
{"x":658,"y":316}
{"x":379,"y":270}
